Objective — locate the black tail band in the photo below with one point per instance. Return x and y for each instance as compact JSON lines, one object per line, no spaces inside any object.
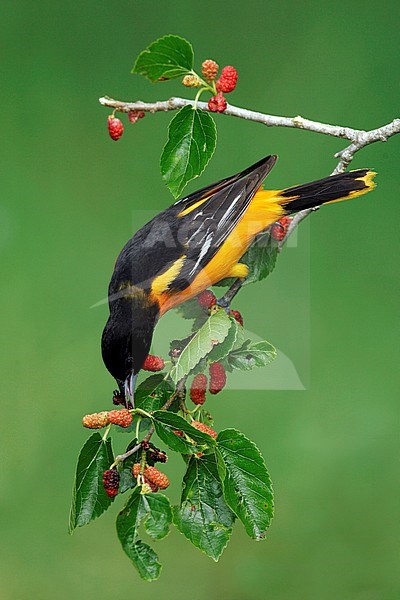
{"x":311,"y":195}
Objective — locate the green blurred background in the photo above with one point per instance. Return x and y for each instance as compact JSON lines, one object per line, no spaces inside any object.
{"x":68,"y":198}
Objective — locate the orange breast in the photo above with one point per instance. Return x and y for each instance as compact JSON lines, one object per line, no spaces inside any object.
{"x":262,"y":212}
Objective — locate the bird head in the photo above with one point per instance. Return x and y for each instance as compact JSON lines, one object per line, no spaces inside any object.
{"x":126,"y":341}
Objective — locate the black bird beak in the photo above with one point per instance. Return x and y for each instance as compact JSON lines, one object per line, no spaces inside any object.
{"x":129,"y":389}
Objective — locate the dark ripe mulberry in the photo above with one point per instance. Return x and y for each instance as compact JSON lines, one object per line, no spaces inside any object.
{"x":158,"y":456}
{"x":280,"y":228}
{"x":237,"y":316}
{"x":111,"y":482}
{"x":206,"y":299}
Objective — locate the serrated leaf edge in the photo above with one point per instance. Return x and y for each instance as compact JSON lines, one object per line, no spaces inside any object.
{"x":261,"y":536}
{"x":182,"y":187}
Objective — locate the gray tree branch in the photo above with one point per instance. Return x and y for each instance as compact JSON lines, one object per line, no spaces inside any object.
{"x":358,"y":137}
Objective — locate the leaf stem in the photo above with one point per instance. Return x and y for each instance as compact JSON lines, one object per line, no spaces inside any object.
{"x":358,"y":138}
{"x":121,"y":457}
{"x":142,"y":461}
{"x":205,"y":84}
{"x":200,"y":91}
{"x":106,"y":432}
{"x":194,"y":411}
{"x":140,"y":411}
{"x":137,"y":427}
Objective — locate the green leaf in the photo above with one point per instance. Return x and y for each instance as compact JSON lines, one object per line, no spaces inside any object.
{"x":261,"y":258}
{"x":235,"y":335}
{"x":203,"y":516}
{"x":152,"y":393}
{"x":142,"y":556}
{"x":89,"y":498}
{"x":259,"y":354}
{"x":174,"y":440}
{"x":199,"y":322}
{"x":168,"y":57}
{"x":166,"y":423}
{"x":200,"y":367}
{"x":129,"y":518}
{"x":159,"y":515}
{"x":190,"y":309}
{"x":192,"y":137}
{"x":215,"y":329}
{"x":247,"y":485}
{"x":155,"y":511}
{"x":238,"y":351}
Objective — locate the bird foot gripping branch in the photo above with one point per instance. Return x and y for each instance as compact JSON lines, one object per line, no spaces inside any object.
{"x":221,"y":246}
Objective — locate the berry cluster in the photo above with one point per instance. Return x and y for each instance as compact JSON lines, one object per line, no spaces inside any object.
{"x":217,"y":372}
{"x":153,"y":363}
{"x":206,"y":299}
{"x":198,"y":389}
{"x":111,"y":482}
{"x":204,"y":428}
{"x":152,"y":476}
{"x":209,"y":70}
{"x":217,"y":378}
{"x":279,"y":229}
{"x":122,"y":417}
{"x":217,"y":103}
{"x":192,"y":81}
{"x":116,"y":127}
{"x":228,"y":80}
{"x":96,"y":420}
{"x":157,"y":455}
{"x":224,"y":85}
{"x":217,"y":382}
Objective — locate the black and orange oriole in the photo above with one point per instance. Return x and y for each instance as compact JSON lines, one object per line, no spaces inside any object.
{"x":195,"y":243}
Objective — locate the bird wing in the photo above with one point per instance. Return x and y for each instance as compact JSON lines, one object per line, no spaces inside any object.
{"x":207,"y":217}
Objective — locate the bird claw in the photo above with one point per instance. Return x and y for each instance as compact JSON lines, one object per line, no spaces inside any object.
{"x":223,"y":303}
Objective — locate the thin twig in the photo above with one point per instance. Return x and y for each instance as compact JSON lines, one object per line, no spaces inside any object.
{"x":121,"y":457}
{"x":230,"y":293}
{"x":358,"y":137}
{"x":345,"y":157}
